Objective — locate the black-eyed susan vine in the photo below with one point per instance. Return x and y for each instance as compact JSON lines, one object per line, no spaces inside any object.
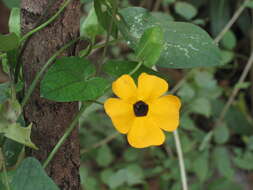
{"x":144,"y":109}
{"x":143,"y":112}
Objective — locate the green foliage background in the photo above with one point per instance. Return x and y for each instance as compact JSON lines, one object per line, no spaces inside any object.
{"x":174,"y":41}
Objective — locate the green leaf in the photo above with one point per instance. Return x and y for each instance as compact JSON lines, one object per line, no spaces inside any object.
{"x":131,"y":154}
{"x":104,"y":10}
{"x":14,"y":21}
{"x":29,"y":175}
{"x":227,"y":56}
{"x":222,"y":161}
{"x":186,"y":92}
{"x":201,"y":106}
{"x":104,"y":156}
{"x":20,"y":134}
{"x":185,"y":45}
{"x":150,"y":46}
{"x":134,"y":174}
{"x":4,"y":89}
{"x":12,"y":3}
{"x":221,"y":134}
{"x":89,"y":25}
{"x":205,"y":80}
{"x":186,"y":10}
{"x":229,"y":40}
{"x":233,"y":118}
{"x":116,"y":68}
{"x":105,"y":175}
{"x":117,"y":179}
{"x":220,"y":14}
{"x":8,"y":42}
{"x":249,"y":4}
{"x":71,"y":79}
{"x":201,"y":166}
{"x":11,"y":151}
{"x":244,"y":162}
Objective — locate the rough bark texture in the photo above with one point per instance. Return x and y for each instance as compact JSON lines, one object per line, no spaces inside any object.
{"x":50,"y":119}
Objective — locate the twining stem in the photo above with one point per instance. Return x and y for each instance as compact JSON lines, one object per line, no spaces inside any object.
{"x":66,"y":134}
{"x":181,"y":160}
{"x":51,"y":19}
{"x":2,"y":160}
{"x":231,"y":22}
{"x":100,"y":143}
{"x":236,"y":89}
{"x":43,"y":69}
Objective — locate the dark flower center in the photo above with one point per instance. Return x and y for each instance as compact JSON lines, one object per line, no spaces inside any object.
{"x":140,"y":109}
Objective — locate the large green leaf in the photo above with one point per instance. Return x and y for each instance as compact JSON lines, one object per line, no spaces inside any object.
{"x":116,"y":68}
{"x":185,"y":45}
{"x":8,"y":42}
{"x":150,"y":46}
{"x":71,"y":79}
{"x":30,"y":175}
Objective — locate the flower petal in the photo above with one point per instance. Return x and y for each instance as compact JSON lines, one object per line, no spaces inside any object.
{"x":121,"y":114}
{"x":124,"y":87}
{"x":144,"y":133}
{"x":165,"y":112}
{"x":151,"y":86}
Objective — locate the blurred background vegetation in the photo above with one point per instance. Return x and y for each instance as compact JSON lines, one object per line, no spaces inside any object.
{"x":217,"y":157}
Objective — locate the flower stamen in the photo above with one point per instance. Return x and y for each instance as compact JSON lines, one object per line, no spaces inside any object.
{"x":140,"y":109}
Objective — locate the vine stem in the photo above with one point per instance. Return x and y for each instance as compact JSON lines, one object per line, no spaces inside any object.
{"x":181,"y":160}
{"x":43,"y":69}
{"x":51,"y":19}
{"x":66,"y":135}
{"x":236,"y":89}
{"x":231,"y":22}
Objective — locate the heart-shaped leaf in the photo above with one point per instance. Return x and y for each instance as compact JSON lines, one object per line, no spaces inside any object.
{"x":185,"y":45}
{"x":30,"y":175}
{"x":71,"y":79}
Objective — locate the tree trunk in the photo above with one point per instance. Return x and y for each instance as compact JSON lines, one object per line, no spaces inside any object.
{"x":50,"y":119}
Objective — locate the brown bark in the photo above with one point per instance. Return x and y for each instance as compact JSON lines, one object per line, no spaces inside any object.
{"x":50,"y":119}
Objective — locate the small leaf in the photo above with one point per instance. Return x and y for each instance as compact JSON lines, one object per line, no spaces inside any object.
{"x":244,"y":162}
{"x":14,"y":21}
{"x":249,"y":4}
{"x":104,"y":156}
{"x":221,"y":134}
{"x":201,"y":166}
{"x":150,"y":46}
{"x":8,"y":42}
{"x":223,"y":163}
{"x":229,"y":40}
{"x":185,"y":9}
{"x":4,"y":92}
{"x":201,"y":106}
{"x":186,"y":92}
{"x":70,"y":79}
{"x":29,"y":175}
{"x":117,"y":179}
{"x":89,"y":25}
{"x":20,"y":134}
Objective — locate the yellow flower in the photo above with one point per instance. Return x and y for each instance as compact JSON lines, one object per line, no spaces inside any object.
{"x":142,"y":112}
